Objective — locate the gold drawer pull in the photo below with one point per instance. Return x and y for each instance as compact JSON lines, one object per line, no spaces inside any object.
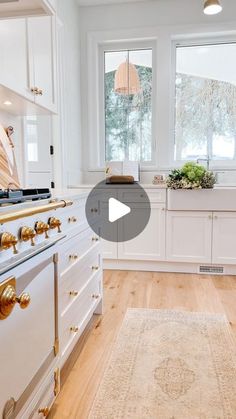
{"x":95,"y":239}
{"x":72,"y":219}
{"x":73,"y":293}
{"x":73,"y":257}
{"x":74,"y":329}
{"x":95,"y":268}
{"x":96,"y":296}
{"x":44,"y":411}
{"x":94,"y":210}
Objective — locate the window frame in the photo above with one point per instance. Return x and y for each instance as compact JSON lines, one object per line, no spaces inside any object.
{"x":128,"y":45}
{"x":188,"y":42}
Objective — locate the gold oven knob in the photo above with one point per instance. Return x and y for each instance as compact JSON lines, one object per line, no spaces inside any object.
{"x":41,"y":227}
{"x":8,"y":240}
{"x":26,"y":234}
{"x":54,"y":223}
{"x":8,"y":299}
{"x":44,"y":411}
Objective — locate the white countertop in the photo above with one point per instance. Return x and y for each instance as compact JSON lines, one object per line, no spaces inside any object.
{"x":143,"y":185}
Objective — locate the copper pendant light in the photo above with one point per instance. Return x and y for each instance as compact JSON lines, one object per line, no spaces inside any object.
{"x":127,"y":79}
{"x":212,"y":7}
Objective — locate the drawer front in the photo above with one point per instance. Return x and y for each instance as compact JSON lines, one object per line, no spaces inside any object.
{"x":45,"y":397}
{"x":74,"y":218}
{"x":75,"y":320}
{"x":76,"y":277}
{"x":139,"y":196}
{"x":73,"y":250}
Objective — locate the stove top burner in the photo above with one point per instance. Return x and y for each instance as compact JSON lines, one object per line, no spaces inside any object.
{"x":16,"y":196}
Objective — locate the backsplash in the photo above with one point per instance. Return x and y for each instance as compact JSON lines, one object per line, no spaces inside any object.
{"x":7,"y":119}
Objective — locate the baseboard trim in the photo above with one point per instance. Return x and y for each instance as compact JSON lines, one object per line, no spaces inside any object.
{"x":152,"y":266}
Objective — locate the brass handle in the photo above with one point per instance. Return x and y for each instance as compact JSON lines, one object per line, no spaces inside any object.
{"x":45,"y":411}
{"x":73,"y":293}
{"x":41,"y":227}
{"x":54,"y":223}
{"x":74,"y":329}
{"x":8,"y":299}
{"x":96,"y":296}
{"x":26,"y":234}
{"x":73,"y":257}
{"x":95,"y":268}
{"x":34,"y":90}
{"x":94,"y":210}
{"x":40,"y":92}
{"x":8,"y":240}
{"x":95,"y":239}
{"x":72,"y":219}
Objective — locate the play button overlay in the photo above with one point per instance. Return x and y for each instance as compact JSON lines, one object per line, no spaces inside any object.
{"x":117,"y":210}
{"x":117,"y":213}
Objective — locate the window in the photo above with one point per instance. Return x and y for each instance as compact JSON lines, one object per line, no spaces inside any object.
{"x":128,"y":105}
{"x":205,"y":111}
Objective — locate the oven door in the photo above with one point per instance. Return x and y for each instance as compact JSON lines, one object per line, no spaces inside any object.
{"x":28,"y":334}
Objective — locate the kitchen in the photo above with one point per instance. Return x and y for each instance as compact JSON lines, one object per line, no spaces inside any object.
{"x":117,"y":209}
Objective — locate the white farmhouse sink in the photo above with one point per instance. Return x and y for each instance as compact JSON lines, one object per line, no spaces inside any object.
{"x":217,"y":199}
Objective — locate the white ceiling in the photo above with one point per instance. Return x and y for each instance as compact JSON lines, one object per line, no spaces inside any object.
{"x":99,"y":2}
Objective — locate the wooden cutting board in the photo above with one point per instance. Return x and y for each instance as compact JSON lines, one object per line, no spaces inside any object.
{"x":8,"y":169}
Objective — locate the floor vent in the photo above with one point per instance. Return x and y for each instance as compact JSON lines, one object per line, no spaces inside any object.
{"x":211,"y":269}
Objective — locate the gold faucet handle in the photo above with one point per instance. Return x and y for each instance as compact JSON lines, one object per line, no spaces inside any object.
{"x":8,"y":240}
{"x":41,"y":227}
{"x":26,"y":234}
{"x":54,"y":223}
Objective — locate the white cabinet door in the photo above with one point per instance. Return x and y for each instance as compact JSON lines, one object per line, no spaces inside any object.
{"x":189,"y":236}
{"x":109,"y":249}
{"x":43,"y":60}
{"x":150,"y":244}
{"x":224,"y":234}
{"x":14,"y":68}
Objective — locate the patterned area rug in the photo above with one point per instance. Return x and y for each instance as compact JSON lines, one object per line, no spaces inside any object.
{"x":169,"y":365}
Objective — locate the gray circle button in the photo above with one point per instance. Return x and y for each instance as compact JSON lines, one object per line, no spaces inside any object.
{"x":118,"y":213}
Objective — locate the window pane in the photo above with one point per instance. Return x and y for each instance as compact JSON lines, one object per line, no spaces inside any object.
{"x":128,"y":105}
{"x":205,"y":102}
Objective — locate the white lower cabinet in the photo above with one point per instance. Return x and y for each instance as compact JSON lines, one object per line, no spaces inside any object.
{"x":189,"y":236}
{"x":223,"y":241}
{"x":150,"y":243}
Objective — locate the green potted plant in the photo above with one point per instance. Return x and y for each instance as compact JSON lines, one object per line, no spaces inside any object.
{"x":191,"y":176}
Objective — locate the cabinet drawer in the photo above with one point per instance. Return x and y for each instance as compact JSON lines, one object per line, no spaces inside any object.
{"x":139,"y":196}
{"x":45,"y":396}
{"x":73,"y":250}
{"x":75,"y":320}
{"x":74,"y":218}
{"x":76,"y":277}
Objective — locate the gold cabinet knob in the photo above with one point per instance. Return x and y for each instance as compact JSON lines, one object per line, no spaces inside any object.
{"x":95,"y":268}
{"x":44,"y":411}
{"x":95,"y":239}
{"x":73,"y":293}
{"x":41,"y":228}
{"x":94,"y":210}
{"x":8,"y":300}
{"x":8,"y":240}
{"x":26,"y":234}
{"x":54,"y":223}
{"x":40,"y":92}
{"x":74,"y":329}
{"x":72,"y":219}
{"x":73,"y":257}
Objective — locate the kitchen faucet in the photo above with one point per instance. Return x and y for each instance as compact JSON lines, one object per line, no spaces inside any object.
{"x":207,"y":160}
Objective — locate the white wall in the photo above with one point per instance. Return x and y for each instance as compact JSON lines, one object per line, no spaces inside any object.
{"x":163,"y":19}
{"x":68,"y":124}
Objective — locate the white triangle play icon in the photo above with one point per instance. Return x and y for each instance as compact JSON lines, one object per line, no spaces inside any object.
{"x":117,"y":210}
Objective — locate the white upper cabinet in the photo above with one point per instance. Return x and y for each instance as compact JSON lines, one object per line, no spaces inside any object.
{"x":189,"y":236}
{"x":25,"y":8}
{"x":28,"y":65}
{"x":224,"y":234}
{"x":42,"y":59}
{"x":14,"y":68}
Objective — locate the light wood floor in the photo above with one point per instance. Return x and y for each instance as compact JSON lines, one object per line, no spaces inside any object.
{"x":83,"y":372}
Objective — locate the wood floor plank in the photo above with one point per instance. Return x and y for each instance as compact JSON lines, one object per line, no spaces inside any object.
{"x":122,"y":289}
